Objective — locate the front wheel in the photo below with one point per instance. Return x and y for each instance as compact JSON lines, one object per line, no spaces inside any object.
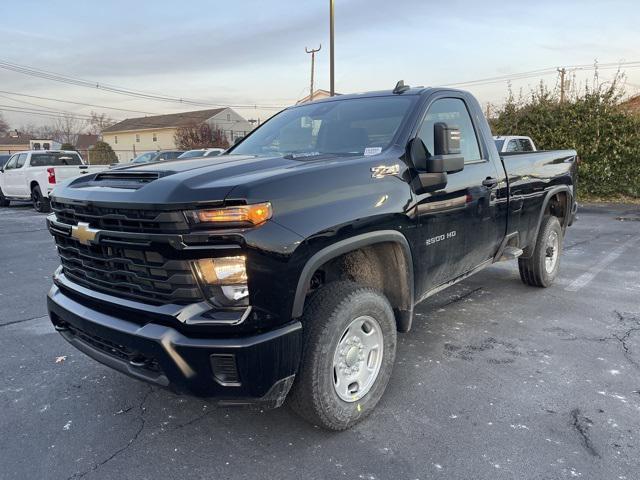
{"x":40,"y":203}
{"x":3,"y":200}
{"x":349,"y":351}
{"x":541,"y":268}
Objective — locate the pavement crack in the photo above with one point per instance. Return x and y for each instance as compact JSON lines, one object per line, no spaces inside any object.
{"x":13,"y":322}
{"x":193,"y":420}
{"x":142,"y":408}
{"x":582,"y":424}
{"x":623,"y":339}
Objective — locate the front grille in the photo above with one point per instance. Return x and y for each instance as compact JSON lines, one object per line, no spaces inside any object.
{"x":121,"y":219}
{"x":142,"y":275}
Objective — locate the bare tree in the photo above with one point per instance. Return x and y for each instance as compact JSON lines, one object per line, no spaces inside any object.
{"x":98,"y":122}
{"x":67,"y":129}
{"x":218,"y":138}
{"x":4,"y":126}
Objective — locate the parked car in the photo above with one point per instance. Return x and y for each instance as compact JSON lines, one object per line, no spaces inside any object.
{"x":203,"y":152}
{"x":160,"y":156}
{"x":143,"y":158}
{"x":4,"y":158}
{"x":514,"y":143}
{"x":32,"y":175}
{"x":286,"y":269}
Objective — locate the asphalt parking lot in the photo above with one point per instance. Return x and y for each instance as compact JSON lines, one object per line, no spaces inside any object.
{"x":495,"y":381}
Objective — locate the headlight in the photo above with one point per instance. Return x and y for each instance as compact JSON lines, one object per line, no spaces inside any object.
{"x":224,"y":280}
{"x":239,"y":216}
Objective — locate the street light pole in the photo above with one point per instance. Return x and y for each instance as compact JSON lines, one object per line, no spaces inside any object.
{"x":332,"y":88}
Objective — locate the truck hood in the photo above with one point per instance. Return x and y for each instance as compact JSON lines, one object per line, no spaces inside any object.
{"x":174,"y":184}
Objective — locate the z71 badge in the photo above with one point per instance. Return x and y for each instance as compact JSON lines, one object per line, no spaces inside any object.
{"x":383,"y":170}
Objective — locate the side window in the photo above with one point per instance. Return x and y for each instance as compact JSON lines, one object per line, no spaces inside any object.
{"x":11,"y":164}
{"x":525,"y":145}
{"x":453,"y":112}
{"x":21,"y":159}
{"x":513,"y":146}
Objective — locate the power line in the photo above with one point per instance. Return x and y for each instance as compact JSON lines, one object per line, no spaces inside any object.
{"x":77,"y":103}
{"x":543,"y":72}
{"x":56,"y":77}
{"x":43,"y":113}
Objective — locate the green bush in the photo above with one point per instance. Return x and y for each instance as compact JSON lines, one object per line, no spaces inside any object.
{"x":102,"y":154}
{"x":606,"y":137}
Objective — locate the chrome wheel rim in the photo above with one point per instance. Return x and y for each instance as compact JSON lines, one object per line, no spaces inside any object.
{"x":551,"y":251}
{"x":357,"y":358}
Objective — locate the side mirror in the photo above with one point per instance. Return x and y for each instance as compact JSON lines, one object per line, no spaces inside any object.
{"x":447,"y":156}
{"x":425,"y":181}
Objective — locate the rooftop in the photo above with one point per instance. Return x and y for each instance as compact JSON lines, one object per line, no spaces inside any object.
{"x":171,"y":120}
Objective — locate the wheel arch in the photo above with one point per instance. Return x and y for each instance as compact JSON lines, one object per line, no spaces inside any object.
{"x":402,"y":299}
{"x":561,"y":190}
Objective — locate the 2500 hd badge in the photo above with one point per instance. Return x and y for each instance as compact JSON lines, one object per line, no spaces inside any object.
{"x":440,"y":238}
{"x":285,"y":268}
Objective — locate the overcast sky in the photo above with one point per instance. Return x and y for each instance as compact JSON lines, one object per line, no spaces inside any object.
{"x":252,"y":52}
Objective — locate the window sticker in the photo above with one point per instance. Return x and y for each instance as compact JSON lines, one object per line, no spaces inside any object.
{"x":372,"y":151}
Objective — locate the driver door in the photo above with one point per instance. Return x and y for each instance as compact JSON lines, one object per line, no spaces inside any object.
{"x":459,"y":223}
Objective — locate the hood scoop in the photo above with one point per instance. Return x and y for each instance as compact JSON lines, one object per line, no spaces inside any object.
{"x":128,"y":179}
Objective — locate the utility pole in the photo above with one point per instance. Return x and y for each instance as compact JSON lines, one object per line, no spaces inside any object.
{"x":332,"y":88}
{"x":562,"y":72}
{"x":313,"y":63}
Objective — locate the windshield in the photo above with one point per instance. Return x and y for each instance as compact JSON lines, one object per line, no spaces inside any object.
{"x":354,"y":126}
{"x":144,"y":158}
{"x":55,"y":159}
{"x":192,"y":153}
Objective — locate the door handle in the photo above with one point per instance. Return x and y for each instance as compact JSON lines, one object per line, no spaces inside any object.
{"x":490,"y":182}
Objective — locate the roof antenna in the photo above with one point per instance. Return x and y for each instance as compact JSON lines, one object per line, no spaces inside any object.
{"x":401,"y":87}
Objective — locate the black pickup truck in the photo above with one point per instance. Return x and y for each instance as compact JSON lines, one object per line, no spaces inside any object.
{"x":286,"y":267}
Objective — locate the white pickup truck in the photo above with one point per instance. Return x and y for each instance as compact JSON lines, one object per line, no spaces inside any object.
{"x":32,"y":175}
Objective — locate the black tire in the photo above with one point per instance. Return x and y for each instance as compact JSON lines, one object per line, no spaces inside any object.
{"x":327,"y":315}
{"x":3,"y":200}
{"x":533,"y":270}
{"x":40,"y":203}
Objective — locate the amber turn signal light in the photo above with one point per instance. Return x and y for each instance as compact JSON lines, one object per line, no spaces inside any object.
{"x":241,"y":215}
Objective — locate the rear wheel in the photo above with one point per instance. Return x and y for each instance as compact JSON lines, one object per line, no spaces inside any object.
{"x":541,"y":268}
{"x":40,"y":203}
{"x":349,"y":351}
{"x":3,"y":200}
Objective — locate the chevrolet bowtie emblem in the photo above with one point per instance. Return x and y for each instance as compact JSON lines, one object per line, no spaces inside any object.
{"x":83,"y":233}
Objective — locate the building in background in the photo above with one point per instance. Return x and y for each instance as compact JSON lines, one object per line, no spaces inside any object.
{"x":84,"y":143}
{"x":632,"y":105}
{"x":134,"y":136}
{"x":317,"y":95}
{"x":15,"y":141}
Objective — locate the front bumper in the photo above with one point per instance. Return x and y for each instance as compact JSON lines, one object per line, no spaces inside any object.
{"x":265,"y":363}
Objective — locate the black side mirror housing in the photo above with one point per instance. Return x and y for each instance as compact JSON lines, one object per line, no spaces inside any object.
{"x":425,"y":181}
{"x":447,"y":156}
